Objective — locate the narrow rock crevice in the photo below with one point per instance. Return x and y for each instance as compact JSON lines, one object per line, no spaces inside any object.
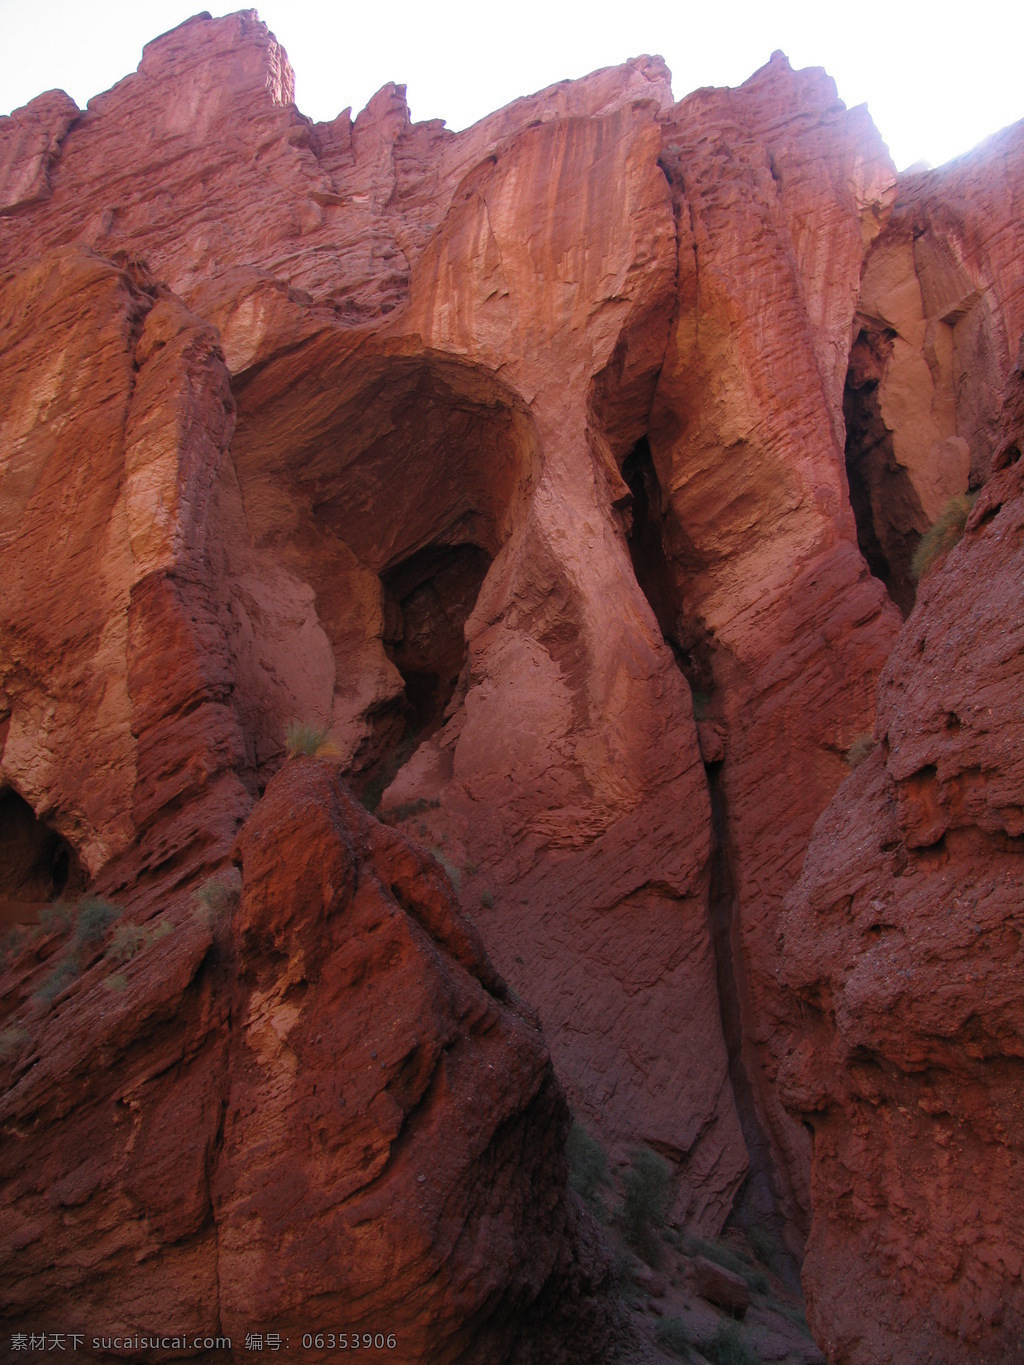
{"x":885,"y":506}
{"x":757,"y":1206}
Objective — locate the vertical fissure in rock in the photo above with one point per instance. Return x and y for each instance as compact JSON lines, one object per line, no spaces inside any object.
{"x":693,"y":649}
{"x":757,"y":1204}
{"x":884,"y":504}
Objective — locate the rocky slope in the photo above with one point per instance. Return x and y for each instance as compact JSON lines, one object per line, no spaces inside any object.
{"x":566,"y":471}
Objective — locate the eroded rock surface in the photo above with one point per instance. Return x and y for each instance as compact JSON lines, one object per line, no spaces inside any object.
{"x":940,"y":315}
{"x":514,"y":460}
{"x":903,"y":944}
{"x":325,"y":1099}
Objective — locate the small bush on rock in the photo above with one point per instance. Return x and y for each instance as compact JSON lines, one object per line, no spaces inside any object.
{"x":588,"y":1167}
{"x":301,"y":737}
{"x":645,"y":1202}
{"x":95,"y":917}
{"x":937,"y":542}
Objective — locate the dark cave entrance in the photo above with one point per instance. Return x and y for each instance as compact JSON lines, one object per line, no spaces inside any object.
{"x":428,"y":599}
{"x":37,"y":865}
{"x":882,"y":499}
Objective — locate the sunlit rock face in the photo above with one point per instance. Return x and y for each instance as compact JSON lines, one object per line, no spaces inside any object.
{"x":545,"y":469}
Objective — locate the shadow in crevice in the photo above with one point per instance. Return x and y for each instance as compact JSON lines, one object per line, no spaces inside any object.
{"x":885,"y":506}
{"x":37,"y":865}
{"x":646,"y":534}
{"x":660,"y":556}
{"x":427,"y":600}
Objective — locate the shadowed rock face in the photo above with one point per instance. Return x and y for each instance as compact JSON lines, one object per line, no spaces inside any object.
{"x":515,"y":458}
{"x":325,"y":1097}
{"x":902,"y":943}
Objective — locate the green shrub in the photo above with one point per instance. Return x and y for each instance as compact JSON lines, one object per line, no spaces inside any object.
{"x":301,"y":737}
{"x":937,"y":542}
{"x":727,"y":1347}
{"x":588,"y":1166}
{"x":645,"y":1202}
{"x":674,"y":1334}
{"x":66,"y":971}
{"x":127,"y":940}
{"x":487,"y":899}
{"x":116,"y":982}
{"x":95,"y":917}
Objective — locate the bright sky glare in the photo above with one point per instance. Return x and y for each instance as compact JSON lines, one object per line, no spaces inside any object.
{"x":937,"y":78}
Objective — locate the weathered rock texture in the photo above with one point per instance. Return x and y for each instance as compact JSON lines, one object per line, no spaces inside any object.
{"x":940,"y":314}
{"x":499,"y":454}
{"x":324,"y":1105}
{"x":903,"y":944}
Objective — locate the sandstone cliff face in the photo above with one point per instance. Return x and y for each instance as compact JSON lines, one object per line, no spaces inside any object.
{"x":338,"y":1056}
{"x":515,"y":459}
{"x":940,"y":314}
{"x":903,"y":944}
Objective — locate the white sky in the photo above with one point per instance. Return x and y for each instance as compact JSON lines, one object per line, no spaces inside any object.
{"x":936,"y":77}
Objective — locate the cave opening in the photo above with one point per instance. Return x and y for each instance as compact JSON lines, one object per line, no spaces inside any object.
{"x":428,"y":598}
{"x":37,"y":865}
{"x":882,"y":499}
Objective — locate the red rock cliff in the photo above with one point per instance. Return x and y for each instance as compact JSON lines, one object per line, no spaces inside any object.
{"x":517,"y":459}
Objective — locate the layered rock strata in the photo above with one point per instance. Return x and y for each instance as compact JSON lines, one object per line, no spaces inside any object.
{"x":516,"y":460}
{"x":940,"y":314}
{"x":307,"y":1095}
{"x":903,"y":946}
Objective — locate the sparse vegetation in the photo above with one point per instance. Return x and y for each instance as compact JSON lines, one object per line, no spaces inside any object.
{"x":727,"y":1347}
{"x":645,"y":1203}
{"x":762,"y":1244}
{"x":724,"y":1256}
{"x":11,"y":943}
{"x":95,"y":916}
{"x":303,"y":737}
{"x":217,"y":898}
{"x":13,"y":1041}
{"x":588,"y":1167}
{"x":126,"y":941}
{"x":674,"y":1334}
{"x":487,"y":899}
{"x":66,"y":971}
{"x":406,"y":810}
{"x":859,"y":750}
{"x":454,"y":875}
{"x":947,"y":531}
{"x":116,"y":981}
{"x":56,"y":917}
